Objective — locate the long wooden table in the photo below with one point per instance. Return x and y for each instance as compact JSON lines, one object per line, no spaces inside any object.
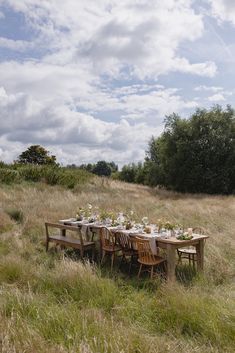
{"x":169,"y":244}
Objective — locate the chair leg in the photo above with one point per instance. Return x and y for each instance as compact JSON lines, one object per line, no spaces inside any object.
{"x":123,"y":257}
{"x":112,"y":260}
{"x":193,"y":261}
{"x":93,"y":254}
{"x":165,"y":267}
{"x":189,"y":259}
{"x":140,"y":270}
{"x":151,"y":275}
{"x":103,"y":256}
{"x":131,"y":259}
{"x":179,"y":259}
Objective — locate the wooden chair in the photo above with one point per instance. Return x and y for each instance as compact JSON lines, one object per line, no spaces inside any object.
{"x":108,"y":245}
{"x":127,"y":248}
{"x":190,"y":253}
{"x":146,"y":257}
{"x":61,"y":238}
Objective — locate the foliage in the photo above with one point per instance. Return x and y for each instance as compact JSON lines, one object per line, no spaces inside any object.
{"x":192,"y":155}
{"x":133,"y":173}
{"x":49,"y":174}
{"x":101,"y":168}
{"x":36,"y":154}
{"x":15,"y":214}
{"x":9,"y":176}
{"x":198,"y":154}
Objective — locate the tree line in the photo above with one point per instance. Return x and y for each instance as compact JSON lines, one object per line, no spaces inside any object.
{"x":194,"y":155}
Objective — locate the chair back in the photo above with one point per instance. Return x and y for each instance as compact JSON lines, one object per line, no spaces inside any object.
{"x":144,"y":250}
{"x":124,"y":240}
{"x":198,"y":230}
{"x":107,"y":238}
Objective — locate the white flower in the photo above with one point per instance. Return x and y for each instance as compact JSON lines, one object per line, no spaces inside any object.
{"x":89,"y":206}
{"x":145,"y":220}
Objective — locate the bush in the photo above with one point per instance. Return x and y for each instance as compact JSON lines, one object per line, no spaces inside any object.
{"x":16,"y":215}
{"x":9,"y":176}
{"x":51,"y":175}
{"x":31,"y":173}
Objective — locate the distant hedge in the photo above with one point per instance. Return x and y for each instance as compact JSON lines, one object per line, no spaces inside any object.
{"x":52,"y":175}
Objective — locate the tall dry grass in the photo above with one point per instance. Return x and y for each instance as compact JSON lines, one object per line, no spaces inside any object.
{"x":50,"y":304}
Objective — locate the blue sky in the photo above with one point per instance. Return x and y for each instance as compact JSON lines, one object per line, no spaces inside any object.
{"x":94,"y":80}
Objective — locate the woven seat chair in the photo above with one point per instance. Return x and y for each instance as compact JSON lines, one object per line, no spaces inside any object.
{"x":189,"y":253}
{"x":109,"y":245}
{"x":128,"y":251}
{"x":146,"y":258}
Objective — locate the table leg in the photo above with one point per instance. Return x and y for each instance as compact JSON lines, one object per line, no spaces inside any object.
{"x":200,"y":254}
{"x":170,"y":263}
{"x":63,"y":232}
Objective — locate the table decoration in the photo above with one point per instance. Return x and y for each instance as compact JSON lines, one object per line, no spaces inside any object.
{"x":185,"y":236}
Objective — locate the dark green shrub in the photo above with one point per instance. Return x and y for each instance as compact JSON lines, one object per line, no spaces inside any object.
{"x":51,"y":175}
{"x":9,"y":176}
{"x":16,"y":215}
{"x":31,"y":173}
{"x":71,"y":178}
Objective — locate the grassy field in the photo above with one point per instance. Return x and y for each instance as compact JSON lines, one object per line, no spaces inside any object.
{"x":51,"y":303}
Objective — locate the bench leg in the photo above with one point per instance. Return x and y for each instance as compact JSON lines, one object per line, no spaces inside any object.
{"x":47,"y":245}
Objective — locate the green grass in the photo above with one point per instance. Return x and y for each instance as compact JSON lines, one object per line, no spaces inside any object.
{"x":50,"y":303}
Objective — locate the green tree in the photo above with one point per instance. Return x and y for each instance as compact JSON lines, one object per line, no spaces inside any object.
{"x":195,"y":154}
{"x":36,"y":154}
{"x":102,"y":168}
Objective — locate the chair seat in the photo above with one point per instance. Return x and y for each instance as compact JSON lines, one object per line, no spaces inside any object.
{"x":129,"y":252}
{"x":111,"y":248}
{"x":187,"y":251}
{"x":145,"y":261}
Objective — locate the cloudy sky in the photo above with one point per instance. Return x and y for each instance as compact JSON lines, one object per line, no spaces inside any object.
{"x":94,"y":79}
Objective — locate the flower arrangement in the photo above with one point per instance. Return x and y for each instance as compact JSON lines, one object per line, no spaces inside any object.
{"x":128,"y":224}
{"x":107,"y":215}
{"x":145,"y":220}
{"x":80,"y":214}
{"x":169,"y":226}
{"x":160,"y":224}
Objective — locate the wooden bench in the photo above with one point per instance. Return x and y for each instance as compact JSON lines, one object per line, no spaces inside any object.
{"x":61,"y":238}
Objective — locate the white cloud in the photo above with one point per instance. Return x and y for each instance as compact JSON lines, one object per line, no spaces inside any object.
{"x":216,"y":98}
{"x":208,"y":88}
{"x":75,"y":131}
{"x":19,"y":45}
{"x":142,"y":36}
{"x":66,"y":98}
{"x":223,"y":10}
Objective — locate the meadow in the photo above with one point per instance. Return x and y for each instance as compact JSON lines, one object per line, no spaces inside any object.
{"x":52,"y":302}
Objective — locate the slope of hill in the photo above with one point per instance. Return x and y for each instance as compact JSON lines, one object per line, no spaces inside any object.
{"x":50,"y":303}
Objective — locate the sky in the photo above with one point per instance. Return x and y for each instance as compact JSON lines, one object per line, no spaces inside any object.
{"x":93,"y":80}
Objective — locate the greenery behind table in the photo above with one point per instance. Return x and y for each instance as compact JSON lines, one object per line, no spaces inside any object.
{"x":51,"y":175}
